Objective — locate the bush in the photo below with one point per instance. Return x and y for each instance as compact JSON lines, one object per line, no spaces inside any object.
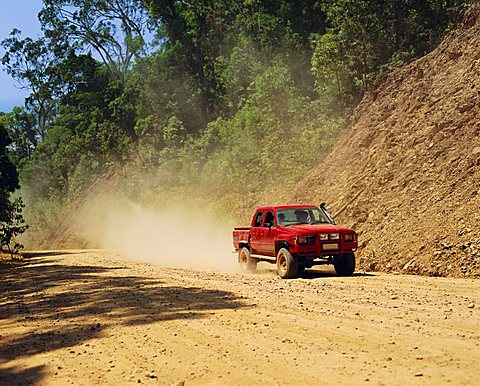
{"x":12,"y":224}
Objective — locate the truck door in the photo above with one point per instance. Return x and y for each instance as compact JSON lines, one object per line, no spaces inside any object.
{"x":267,"y":235}
{"x":255,"y":230}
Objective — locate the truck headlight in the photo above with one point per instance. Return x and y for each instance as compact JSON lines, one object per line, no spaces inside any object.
{"x":302,"y":240}
{"x":323,"y":236}
{"x":334,"y":236}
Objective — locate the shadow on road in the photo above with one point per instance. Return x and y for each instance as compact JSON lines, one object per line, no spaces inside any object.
{"x":79,"y":302}
{"x":318,"y":273}
{"x":16,"y":376}
{"x":32,"y":254}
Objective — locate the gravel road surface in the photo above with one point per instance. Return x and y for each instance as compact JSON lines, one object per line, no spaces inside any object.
{"x":89,"y":317}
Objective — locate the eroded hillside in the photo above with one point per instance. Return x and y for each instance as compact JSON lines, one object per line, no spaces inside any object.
{"x":408,"y":167}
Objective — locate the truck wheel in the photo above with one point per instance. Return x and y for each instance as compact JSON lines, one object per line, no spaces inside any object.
{"x":344,"y":264}
{"x":247,"y":263}
{"x":287,"y":267}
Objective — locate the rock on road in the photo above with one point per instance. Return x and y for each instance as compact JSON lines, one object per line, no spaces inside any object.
{"x":87,"y":317}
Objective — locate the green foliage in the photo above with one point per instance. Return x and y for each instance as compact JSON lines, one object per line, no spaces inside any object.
{"x":12,"y":224}
{"x":30,"y":62}
{"x":269,"y":144}
{"x":237,"y":72}
{"x":366,"y":39}
{"x":241,"y":97}
{"x":8,"y":172}
{"x":21,"y":127}
{"x":164,"y":89}
{"x":113,"y":28}
{"x":85,"y":143}
{"x":274,"y":138}
{"x":333,"y":82}
{"x":11,"y":219}
{"x":91,"y":136}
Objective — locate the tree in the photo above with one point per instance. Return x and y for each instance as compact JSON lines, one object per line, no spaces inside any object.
{"x":30,"y":63}
{"x":22,"y":129}
{"x":333,"y":83}
{"x":11,"y":219}
{"x":198,"y":29}
{"x":91,"y":135}
{"x":114,"y":29}
{"x":366,"y":39}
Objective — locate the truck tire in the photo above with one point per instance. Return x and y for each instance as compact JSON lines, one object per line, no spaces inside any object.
{"x":287,"y":267}
{"x":247,"y":263}
{"x":344,"y":264}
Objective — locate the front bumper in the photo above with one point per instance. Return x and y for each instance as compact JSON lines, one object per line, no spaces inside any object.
{"x":322,"y":249}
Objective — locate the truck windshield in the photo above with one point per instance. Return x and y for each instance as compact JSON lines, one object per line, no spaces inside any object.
{"x":295,"y":216}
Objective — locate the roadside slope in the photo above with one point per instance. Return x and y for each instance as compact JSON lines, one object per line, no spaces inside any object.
{"x":409,"y":165}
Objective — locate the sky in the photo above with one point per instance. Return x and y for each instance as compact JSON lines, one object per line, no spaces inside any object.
{"x":20,"y":14}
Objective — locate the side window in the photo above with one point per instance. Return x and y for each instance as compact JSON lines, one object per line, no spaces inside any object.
{"x":258,"y":219}
{"x":269,"y":220}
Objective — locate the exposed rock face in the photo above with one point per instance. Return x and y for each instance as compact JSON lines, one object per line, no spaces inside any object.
{"x":413,"y":151}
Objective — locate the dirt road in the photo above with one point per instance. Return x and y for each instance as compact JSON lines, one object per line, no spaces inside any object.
{"x":86,"y":317}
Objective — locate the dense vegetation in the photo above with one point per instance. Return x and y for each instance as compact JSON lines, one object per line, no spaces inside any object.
{"x":11,"y":219}
{"x":218,"y":99}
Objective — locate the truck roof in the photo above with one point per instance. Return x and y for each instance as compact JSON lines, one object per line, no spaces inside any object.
{"x":286,"y":206}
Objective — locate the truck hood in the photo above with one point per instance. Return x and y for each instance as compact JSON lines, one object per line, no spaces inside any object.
{"x":307,"y":229}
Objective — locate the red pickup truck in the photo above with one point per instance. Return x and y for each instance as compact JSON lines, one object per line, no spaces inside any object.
{"x":295,"y":237}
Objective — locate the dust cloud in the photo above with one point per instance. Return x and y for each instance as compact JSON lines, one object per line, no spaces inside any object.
{"x":175,"y":237}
